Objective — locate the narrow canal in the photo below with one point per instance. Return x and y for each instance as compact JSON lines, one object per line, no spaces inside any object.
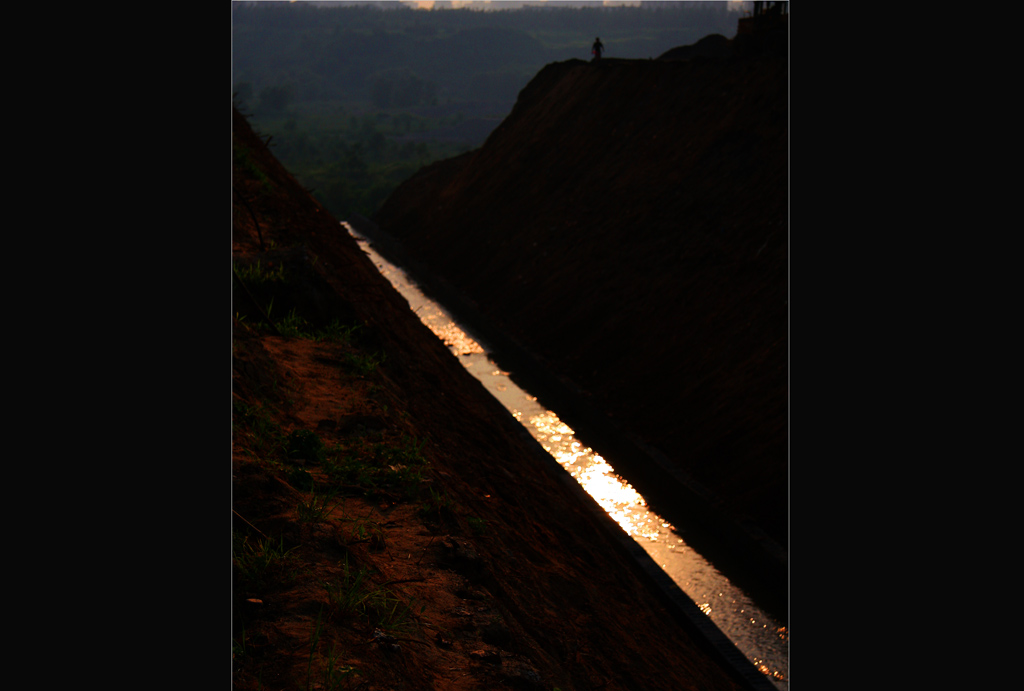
{"x":763,"y":640}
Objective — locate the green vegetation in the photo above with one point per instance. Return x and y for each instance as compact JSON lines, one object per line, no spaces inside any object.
{"x":258,"y":275}
{"x":352,"y":162}
{"x":301,"y":479}
{"x":314,"y":642}
{"x":334,"y":674}
{"x":255,"y":425}
{"x":478,"y":526}
{"x":364,"y":363}
{"x":438,"y":506}
{"x":293,"y":325}
{"x":238,"y":646}
{"x":355,"y":96}
{"x":371,"y":532}
{"x":258,"y":563}
{"x":347,"y":596}
{"x":377,"y":466}
{"x":244,"y":161}
{"x":318,"y":495}
{"x":355,"y":595}
{"x":270,"y":282}
{"x":335,"y":332}
{"x":305,"y":444}
{"x":318,"y":507}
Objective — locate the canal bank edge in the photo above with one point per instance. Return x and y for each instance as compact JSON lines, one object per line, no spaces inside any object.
{"x":740,"y":550}
{"x":628,"y":223}
{"x":684,"y":610}
{"x":577,"y":609}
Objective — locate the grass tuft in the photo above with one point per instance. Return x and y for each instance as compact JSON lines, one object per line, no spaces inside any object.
{"x":355,"y":595}
{"x":255,"y":425}
{"x":258,"y":274}
{"x":478,"y":526}
{"x":306,"y":445}
{"x":318,"y":507}
{"x":364,"y":364}
{"x":438,"y":506}
{"x":255,"y":563}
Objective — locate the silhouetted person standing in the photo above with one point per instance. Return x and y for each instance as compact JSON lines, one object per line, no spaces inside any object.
{"x":597,"y":49}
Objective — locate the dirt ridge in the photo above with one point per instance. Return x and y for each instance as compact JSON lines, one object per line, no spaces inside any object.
{"x":627,"y":223}
{"x":502,"y":573}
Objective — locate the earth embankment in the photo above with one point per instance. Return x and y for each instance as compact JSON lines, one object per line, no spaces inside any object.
{"x":393,"y":526}
{"x":627,"y":223}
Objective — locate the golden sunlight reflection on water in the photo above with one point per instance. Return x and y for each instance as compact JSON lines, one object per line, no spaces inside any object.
{"x":612,"y":493}
{"x":452,"y":336}
{"x":764,"y":642}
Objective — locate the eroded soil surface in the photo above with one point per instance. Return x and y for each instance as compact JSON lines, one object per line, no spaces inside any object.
{"x":394,"y":527}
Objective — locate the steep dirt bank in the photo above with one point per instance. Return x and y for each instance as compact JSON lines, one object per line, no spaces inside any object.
{"x":627,"y":223}
{"x":394,"y":526}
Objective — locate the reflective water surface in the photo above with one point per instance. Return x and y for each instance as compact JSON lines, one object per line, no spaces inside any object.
{"x":763,"y":640}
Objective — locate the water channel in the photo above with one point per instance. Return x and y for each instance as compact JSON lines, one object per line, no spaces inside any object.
{"x":763,"y":640}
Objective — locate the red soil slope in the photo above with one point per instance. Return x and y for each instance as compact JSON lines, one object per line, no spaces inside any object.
{"x":509,"y":575}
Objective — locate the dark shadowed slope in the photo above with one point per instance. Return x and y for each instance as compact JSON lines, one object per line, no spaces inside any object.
{"x":628,"y":224}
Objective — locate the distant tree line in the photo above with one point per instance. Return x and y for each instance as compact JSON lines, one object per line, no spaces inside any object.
{"x":343,"y":87}
{"x":352,"y":163}
{"x":341,"y":52}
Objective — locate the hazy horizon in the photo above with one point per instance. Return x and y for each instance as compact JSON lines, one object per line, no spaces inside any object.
{"x":494,"y":5}
{"x":360,"y":95}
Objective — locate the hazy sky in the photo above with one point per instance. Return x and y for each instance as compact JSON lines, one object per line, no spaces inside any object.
{"x":427,"y":4}
{"x":735,"y":5}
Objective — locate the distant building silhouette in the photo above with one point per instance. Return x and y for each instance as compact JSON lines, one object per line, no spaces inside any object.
{"x":766,"y":16}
